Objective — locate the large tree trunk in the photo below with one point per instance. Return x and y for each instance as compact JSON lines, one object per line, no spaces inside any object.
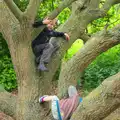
{"x":17,"y":32}
{"x":28,"y":107}
{"x":31,"y":84}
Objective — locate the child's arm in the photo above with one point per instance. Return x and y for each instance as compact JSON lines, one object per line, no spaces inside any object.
{"x":53,"y":33}
{"x":42,"y":22}
{"x":37,"y":24}
{"x":47,"y":98}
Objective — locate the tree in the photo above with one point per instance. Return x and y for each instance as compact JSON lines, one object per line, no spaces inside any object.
{"x":18,"y":32}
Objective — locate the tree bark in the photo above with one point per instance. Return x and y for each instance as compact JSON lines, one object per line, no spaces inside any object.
{"x":8,"y":103}
{"x":32,"y":8}
{"x":114,"y":115}
{"x":95,"y":46}
{"x":84,"y":15}
{"x":14,"y":9}
{"x":100,"y":102}
{"x":5,"y":117}
{"x":32,"y":84}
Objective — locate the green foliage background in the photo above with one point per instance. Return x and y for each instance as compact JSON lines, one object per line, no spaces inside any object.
{"x":7,"y":74}
{"x":104,"y":66}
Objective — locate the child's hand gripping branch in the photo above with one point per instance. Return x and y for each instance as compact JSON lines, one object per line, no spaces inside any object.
{"x":47,"y":21}
{"x":66,"y":36}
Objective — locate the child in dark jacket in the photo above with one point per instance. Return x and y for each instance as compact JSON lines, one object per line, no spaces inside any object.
{"x":41,"y":45}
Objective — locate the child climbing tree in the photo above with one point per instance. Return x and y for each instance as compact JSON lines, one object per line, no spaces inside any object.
{"x":18,"y":31}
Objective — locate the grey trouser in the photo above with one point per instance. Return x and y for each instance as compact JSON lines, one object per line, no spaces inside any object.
{"x":44,"y":51}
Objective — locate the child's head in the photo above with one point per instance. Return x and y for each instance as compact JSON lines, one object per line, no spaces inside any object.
{"x":52,"y":24}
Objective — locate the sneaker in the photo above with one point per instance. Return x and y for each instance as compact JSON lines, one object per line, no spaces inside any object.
{"x":42,"y":67}
{"x":41,"y":99}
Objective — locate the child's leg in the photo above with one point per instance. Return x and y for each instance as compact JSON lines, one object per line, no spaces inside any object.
{"x":72,"y":91}
{"x":45,"y":98}
{"x":53,"y":100}
{"x":47,"y":53}
{"x":48,"y":98}
{"x":45,"y":57}
{"x":54,"y":108}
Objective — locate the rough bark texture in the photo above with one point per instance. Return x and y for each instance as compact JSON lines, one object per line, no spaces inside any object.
{"x":101,"y":101}
{"x":19,"y":42}
{"x":95,"y":46}
{"x":86,"y":11}
{"x":8,"y":103}
{"x":32,"y":8}
{"x":114,"y":115}
{"x":5,"y":117}
{"x":14,"y":9}
{"x":30,"y":83}
{"x":18,"y":34}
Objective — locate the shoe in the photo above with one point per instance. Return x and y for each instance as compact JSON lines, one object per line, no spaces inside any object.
{"x":37,"y":60}
{"x":42,"y":67}
{"x":41,"y":99}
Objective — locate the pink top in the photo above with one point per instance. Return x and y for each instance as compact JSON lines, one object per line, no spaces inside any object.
{"x":68,"y":106}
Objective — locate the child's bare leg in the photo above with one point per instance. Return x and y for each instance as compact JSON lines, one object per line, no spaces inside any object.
{"x":48,"y":98}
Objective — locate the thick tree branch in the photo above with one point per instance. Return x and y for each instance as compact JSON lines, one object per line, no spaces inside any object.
{"x":85,"y":37}
{"x":8,"y":25}
{"x":32,"y":8}
{"x":107,"y":5}
{"x":95,"y":46}
{"x":94,"y":3}
{"x":60,"y":8}
{"x":93,"y":13}
{"x":100,"y":102}
{"x":14,"y":9}
{"x":114,"y":115}
{"x":8,"y":103}
{"x":79,"y":4}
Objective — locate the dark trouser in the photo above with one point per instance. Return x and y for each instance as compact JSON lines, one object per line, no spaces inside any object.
{"x":43,"y":52}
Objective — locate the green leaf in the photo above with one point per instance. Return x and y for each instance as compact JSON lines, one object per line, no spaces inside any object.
{"x":1,"y":88}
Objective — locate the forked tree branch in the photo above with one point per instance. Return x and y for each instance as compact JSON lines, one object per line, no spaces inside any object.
{"x":14,"y":9}
{"x":61,"y":7}
{"x":107,"y":5}
{"x":32,"y":8}
{"x":96,"y":45}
